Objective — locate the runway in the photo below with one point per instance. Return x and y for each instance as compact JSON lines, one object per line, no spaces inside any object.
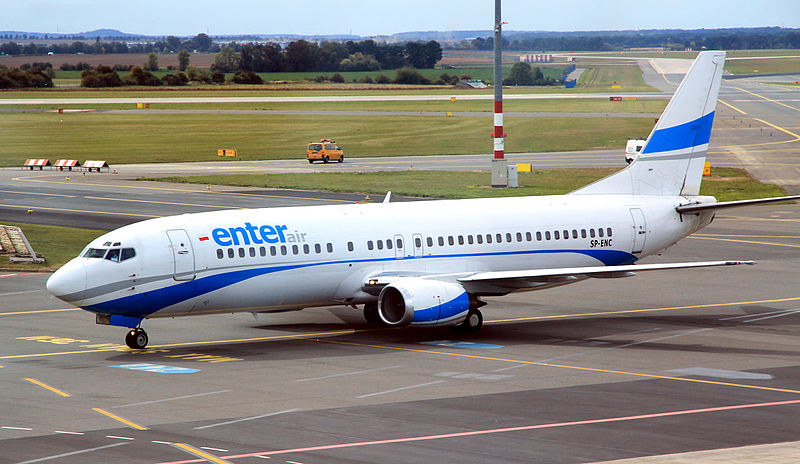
{"x":668,"y":362}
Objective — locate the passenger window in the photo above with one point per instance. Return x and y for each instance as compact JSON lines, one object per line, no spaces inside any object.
{"x":330,"y":247}
{"x":508,"y":238}
{"x":306,"y":249}
{"x":389,"y":244}
{"x":538,"y":236}
{"x":295,"y":249}
{"x":113,"y":255}
{"x":370,"y":246}
{"x":566,"y":234}
{"x":591,"y":233}
{"x":273,"y":251}
{"x":488,"y":238}
{"x":241,"y":252}
{"x":283,"y":250}
{"x":608,"y":232}
{"x":469,"y":239}
{"x":583,"y":233}
{"x":479,"y":237}
{"x":519,"y":236}
{"x":220,"y":254}
{"x":547,"y":235}
{"x":418,"y":242}
{"x":128,"y":253}
{"x":460,"y":239}
{"x":441,"y":241}
{"x":252,"y":252}
{"x":528,"y":236}
{"x":399,"y":243}
{"x":317,"y":248}
{"x":262,"y":251}
{"x":600,"y":232}
{"x":450,"y":240}
{"x":574,"y":233}
{"x":430,"y":241}
{"x":499,"y":238}
{"x":380,"y":244}
{"x":230,"y":252}
{"x":349,"y":246}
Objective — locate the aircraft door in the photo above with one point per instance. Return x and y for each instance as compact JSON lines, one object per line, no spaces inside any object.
{"x":418,"y":246}
{"x":639,"y":230}
{"x":182,"y":254}
{"x":399,"y":249}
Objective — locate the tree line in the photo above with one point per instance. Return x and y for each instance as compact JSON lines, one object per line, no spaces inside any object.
{"x":24,"y":77}
{"x":302,"y":56}
{"x":200,"y":42}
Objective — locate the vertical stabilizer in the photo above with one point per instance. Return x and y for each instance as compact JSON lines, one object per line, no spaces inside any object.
{"x":671,"y":162}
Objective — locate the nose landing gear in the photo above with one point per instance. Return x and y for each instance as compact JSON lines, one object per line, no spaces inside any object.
{"x":136,"y":339}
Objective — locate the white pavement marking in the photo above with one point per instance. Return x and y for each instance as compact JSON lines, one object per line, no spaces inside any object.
{"x":7,"y":427}
{"x":400,"y":389}
{"x":162,"y":442}
{"x":246,"y":419}
{"x":20,"y":293}
{"x":348,"y":373}
{"x":214,"y":449}
{"x":115,"y":437}
{"x":68,"y":433}
{"x":169,"y":399}
{"x":786,"y":313}
{"x":73,"y":453}
{"x":752,"y":315}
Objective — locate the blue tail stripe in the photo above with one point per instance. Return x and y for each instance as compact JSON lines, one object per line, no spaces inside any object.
{"x":687,"y":135}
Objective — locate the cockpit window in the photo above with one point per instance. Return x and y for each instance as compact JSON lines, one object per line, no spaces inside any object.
{"x":113,"y":255}
{"x":128,"y":253}
{"x":95,"y":253}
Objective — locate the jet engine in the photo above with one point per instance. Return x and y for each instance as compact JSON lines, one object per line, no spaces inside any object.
{"x":417,"y":301}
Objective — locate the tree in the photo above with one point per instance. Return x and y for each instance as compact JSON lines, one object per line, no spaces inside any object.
{"x":358,"y":62}
{"x":152,"y":62}
{"x":410,"y":76}
{"x":521,"y":74}
{"x":173,"y":43}
{"x":183,"y":59}
{"x":226,"y":60}
{"x":247,"y":77}
{"x":301,"y":56}
{"x":201,"y":42}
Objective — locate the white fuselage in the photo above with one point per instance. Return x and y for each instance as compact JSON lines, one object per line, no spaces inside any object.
{"x":275,"y":259}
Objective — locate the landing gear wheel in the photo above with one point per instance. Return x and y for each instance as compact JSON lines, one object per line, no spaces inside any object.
{"x":341,"y":158}
{"x":371,"y":313}
{"x":310,"y":161}
{"x":472,"y":323}
{"x":136,"y":339}
{"x":325,"y":160}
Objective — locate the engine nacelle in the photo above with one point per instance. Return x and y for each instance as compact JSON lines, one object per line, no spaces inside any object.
{"x":416,"y":301}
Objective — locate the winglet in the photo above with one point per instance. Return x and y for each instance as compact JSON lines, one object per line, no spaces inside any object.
{"x":387,"y":197}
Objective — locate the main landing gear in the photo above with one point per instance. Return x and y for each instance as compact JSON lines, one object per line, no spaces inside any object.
{"x":472,"y":323}
{"x":136,"y":338}
{"x":371,"y":313}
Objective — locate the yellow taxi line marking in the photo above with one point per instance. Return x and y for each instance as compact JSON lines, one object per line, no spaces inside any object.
{"x":645,"y":310}
{"x":796,"y":137}
{"x":767,"y":99}
{"x":16,"y":313}
{"x":164,"y":202}
{"x":747,"y":236}
{"x":120,"y":419}
{"x":200,"y":454}
{"x":173,"y":345}
{"x":731,"y":106}
{"x":48,"y":387}
{"x":746,"y":241}
{"x":38,"y":193}
{"x":81,"y":211}
{"x":564,"y":366}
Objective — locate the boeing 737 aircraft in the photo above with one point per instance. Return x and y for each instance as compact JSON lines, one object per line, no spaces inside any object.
{"x":414,"y":263}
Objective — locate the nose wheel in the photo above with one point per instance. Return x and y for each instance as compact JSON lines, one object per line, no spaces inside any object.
{"x":136,"y":339}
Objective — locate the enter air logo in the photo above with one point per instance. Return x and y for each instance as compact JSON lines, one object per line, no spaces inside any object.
{"x":257,"y":235}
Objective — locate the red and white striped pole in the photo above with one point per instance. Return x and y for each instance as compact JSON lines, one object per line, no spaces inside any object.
{"x":499,"y":163}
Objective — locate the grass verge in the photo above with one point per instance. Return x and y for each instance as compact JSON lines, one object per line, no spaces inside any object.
{"x":57,"y":244}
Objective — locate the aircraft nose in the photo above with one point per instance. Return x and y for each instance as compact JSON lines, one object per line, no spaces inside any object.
{"x":69,"y":282}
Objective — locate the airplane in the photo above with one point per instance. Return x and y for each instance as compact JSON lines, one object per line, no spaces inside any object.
{"x":411,"y":263}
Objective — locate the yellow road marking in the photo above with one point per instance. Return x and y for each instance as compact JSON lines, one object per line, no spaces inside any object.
{"x":745,"y":241}
{"x":82,"y":211}
{"x":564,"y":366}
{"x":164,"y":202}
{"x":767,"y":99}
{"x":200,"y":454}
{"x":119,"y":419}
{"x":48,"y":387}
{"x":731,"y":106}
{"x":796,"y":137}
{"x":646,"y":310}
{"x":196,"y":343}
{"x":16,"y":313}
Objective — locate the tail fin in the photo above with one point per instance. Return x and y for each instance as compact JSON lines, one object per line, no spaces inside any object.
{"x":672,"y":160}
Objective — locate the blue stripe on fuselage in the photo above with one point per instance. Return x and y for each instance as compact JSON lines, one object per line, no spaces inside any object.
{"x":146,"y":303}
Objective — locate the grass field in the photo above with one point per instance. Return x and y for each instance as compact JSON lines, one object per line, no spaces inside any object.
{"x":725,"y":184}
{"x":603,"y":76}
{"x":144,"y":138}
{"x":766,"y":65}
{"x":57,"y":244}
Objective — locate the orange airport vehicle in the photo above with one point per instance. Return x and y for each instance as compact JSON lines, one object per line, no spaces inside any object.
{"x":326,"y":150}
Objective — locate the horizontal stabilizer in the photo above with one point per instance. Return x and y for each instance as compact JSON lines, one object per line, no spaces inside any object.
{"x":590,"y":271}
{"x":698,"y":207}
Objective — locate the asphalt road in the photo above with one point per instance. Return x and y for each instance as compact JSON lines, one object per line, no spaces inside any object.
{"x":669,"y":362}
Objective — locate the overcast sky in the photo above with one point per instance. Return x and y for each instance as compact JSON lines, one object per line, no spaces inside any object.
{"x":365,"y":17}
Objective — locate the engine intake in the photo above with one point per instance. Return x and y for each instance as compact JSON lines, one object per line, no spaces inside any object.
{"x":417,"y":301}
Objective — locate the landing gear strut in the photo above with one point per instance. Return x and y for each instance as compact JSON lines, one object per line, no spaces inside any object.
{"x":371,"y":313}
{"x":136,"y":339}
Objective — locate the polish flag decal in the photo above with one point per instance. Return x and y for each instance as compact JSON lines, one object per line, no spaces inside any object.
{"x":203,"y":239}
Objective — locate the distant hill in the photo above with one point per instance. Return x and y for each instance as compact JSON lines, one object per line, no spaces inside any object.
{"x":102,"y":33}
